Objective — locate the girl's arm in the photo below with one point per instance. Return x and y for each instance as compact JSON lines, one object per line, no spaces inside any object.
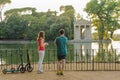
{"x":46,"y":44}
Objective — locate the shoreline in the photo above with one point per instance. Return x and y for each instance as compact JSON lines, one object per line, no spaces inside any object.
{"x":15,"y":41}
{"x":28,"y":41}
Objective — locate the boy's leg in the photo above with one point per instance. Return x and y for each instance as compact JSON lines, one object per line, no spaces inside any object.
{"x":63,"y":64}
{"x":58,"y":67}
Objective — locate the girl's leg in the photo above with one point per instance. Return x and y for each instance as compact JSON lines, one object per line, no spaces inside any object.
{"x":39,"y":60}
{"x":41,"y":57}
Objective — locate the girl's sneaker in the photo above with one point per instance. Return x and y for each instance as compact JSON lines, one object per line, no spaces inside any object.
{"x":39,"y":72}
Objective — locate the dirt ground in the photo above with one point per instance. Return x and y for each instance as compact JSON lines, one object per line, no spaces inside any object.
{"x":68,"y":75}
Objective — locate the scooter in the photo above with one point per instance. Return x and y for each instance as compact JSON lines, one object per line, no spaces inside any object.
{"x":20,"y":68}
{"x":28,"y":66}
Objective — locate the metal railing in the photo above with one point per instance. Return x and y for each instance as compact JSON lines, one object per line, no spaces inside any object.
{"x":78,"y":60}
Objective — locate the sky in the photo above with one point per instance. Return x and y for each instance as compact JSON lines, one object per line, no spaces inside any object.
{"x":44,"y":5}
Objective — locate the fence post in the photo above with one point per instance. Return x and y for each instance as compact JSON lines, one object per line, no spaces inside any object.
{"x":11,"y":59}
{"x":115,"y":60}
{"x":92,"y":59}
{"x":1,"y":60}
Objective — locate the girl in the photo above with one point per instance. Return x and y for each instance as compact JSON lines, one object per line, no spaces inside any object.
{"x":41,"y":49}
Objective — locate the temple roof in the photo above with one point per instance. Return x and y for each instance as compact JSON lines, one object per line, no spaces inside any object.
{"x":82,"y":22}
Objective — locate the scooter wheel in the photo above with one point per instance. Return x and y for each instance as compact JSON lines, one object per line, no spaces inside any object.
{"x":29,"y":68}
{"x":22,"y":69}
{"x":4,"y":71}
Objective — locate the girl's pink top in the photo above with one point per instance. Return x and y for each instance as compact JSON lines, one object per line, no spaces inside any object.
{"x":41,"y":44}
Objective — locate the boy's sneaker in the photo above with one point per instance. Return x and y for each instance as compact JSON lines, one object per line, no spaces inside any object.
{"x":61,"y":72}
{"x":58,"y":73}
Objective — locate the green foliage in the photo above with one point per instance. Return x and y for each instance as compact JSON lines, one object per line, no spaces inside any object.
{"x":95,"y":36}
{"x":2,"y":4}
{"x":19,"y":24}
{"x":61,"y":23}
{"x":19,"y":11}
{"x":104,"y":15}
{"x":106,"y":56}
{"x":2,"y":30}
{"x":69,"y":12}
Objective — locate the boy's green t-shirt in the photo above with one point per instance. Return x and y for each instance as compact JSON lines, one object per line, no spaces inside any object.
{"x":61,"y":43}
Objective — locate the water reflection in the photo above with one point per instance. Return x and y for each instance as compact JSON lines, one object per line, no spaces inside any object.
{"x":115,"y":45}
{"x":86,"y":51}
{"x":82,"y":51}
{"x":2,"y":61}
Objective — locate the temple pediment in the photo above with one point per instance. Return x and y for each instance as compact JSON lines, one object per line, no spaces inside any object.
{"x":82,"y":21}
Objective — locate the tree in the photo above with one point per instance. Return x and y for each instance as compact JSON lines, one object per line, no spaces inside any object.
{"x":113,"y":16}
{"x":104,"y":15}
{"x":62,"y":22}
{"x":16,"y":27}
{"x":19,"y":11}
{"x":2,"y":30}
{"x":25,"y":23}
{"x":69,"y":12}
{"x":2,"y":3}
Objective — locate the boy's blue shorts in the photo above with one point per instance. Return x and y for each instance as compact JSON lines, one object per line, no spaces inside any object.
{"x":60,"y":57}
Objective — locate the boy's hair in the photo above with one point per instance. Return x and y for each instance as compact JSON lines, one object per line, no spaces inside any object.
{"x":62,"y":31}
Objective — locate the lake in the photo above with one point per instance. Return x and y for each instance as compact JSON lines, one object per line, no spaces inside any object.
{"x":76,"y":51}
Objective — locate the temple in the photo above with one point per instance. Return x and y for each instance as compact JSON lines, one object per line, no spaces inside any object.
{"x":82,"y":30}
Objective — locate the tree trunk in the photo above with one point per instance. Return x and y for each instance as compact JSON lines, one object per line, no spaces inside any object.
{"x":111,"y":34}
{"x":0,"y":15}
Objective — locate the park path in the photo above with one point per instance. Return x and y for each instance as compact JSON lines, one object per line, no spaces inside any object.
{"x":68,"y":75}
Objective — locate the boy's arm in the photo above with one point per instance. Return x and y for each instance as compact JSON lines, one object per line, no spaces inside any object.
{"x":55,"y":42}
